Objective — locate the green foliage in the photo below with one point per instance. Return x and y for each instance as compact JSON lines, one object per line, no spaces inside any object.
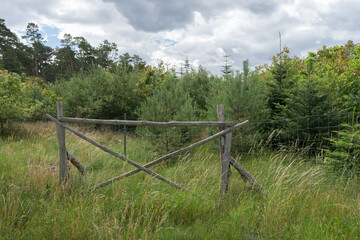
{"x":279,"y":78}
{"x":100,"y":94}
{"x":169,"y":102}
{"x":197,"y":85}
{"x":12,"y":98}
{"x":302,"y":94}
{"x":39,"y":53}
{"x":40,"y":98}
{"x":14,"y":57}
{"x":106,"y":53}
{"x":305,"y":112}
{"x":344,"y":153}
{"x":23,"y":98}
{"x":243,"y":97}
{"x":337,"y":70}
{"x":227,"y":71}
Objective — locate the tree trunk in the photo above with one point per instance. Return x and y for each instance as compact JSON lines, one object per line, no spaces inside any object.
{"x":71,"y":62}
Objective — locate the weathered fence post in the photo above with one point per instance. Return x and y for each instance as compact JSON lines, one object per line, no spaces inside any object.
{"x":63,"y":164}
{"x":125,"y":136}
{"x":225,"y":147}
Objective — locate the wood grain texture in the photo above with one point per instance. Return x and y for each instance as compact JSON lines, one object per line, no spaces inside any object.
{"x":146,"y":123}
{"x":63,"y":163}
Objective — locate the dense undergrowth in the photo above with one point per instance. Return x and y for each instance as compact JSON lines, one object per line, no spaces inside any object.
{"x":301,"y":200}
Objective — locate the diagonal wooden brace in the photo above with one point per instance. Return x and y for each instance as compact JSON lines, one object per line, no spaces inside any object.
{"x":141,"y":168}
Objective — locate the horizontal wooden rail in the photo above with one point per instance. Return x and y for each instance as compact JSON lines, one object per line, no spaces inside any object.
{"x":146,"y":123}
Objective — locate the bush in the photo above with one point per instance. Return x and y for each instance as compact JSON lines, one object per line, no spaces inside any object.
{"x":23,"y":98}
{"x":345,"y":157}
{"x":40,"y":99}
{"x":101,"y":94}
{"x":12,"y":98}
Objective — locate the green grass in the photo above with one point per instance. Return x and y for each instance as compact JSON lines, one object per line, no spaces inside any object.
{"x":301,"y":200}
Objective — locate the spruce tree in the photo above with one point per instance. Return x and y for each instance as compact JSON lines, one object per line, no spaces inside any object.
{"x":304,"y":116}
{"x":227,"y":67}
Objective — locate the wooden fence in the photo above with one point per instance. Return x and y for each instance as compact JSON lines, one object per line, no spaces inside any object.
{"x":225,"y":135}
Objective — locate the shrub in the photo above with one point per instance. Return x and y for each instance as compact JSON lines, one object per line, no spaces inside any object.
{"x":100,"y":94}
{"x":23,"y":98}
{"x":40,"y":99}
{"x":12,"y":98}
{"x":345,"y":157}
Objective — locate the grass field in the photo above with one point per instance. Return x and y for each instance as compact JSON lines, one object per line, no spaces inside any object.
{"x":301,"y":200}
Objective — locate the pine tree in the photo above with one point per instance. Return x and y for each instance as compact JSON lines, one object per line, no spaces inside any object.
{"x":244,"y":99}
{"x":10,"y":50}
{"x":39,"y":53}
{"x":68,"y":43}
{"x":168,"y":103}
{"x":197,"y":85}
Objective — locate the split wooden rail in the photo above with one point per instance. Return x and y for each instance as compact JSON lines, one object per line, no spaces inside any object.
{"x":225,"y":135}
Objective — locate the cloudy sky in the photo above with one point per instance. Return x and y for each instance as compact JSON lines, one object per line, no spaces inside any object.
{"x":201,"y":30}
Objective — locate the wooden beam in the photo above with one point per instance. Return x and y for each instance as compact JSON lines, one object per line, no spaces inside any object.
{"x":224,"y":147}
{"x":146,"y":123}
{"x":115,"y":153}
{"x":63,"y":163}
{"x":225,"y":165}
{"x":167,"y":156}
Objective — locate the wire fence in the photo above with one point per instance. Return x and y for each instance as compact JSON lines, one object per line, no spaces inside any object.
{"x":323,"y":141}
{"x":318,"y":139}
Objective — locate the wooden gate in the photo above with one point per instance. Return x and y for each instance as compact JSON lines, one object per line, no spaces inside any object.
{"x":225,"y":135}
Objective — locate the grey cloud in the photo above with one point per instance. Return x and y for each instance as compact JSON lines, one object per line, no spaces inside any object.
{"x":99,"y":16}
{"x":343,"y":16}
{"x":153,"y":16}
{"x":158,"y":15}
{"x":260,"y":6}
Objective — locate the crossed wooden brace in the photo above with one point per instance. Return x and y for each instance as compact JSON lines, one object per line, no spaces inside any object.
{"x":145,"y":167}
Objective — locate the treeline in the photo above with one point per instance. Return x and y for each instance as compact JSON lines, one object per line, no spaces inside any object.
{"x":291,"y":102}
{"x":74,"y":55}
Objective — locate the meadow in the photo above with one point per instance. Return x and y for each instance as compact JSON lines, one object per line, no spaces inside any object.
{"x":300,"y":200}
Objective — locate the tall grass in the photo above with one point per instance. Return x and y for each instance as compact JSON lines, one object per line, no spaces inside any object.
{"x":301,"y":200}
